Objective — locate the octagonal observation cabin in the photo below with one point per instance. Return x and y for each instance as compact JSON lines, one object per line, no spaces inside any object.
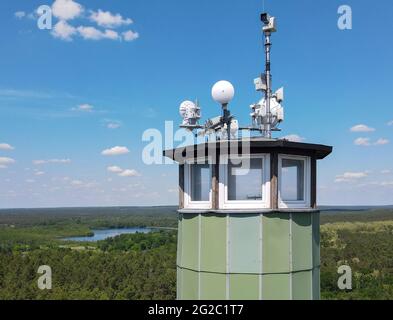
{"x":248,"y":219}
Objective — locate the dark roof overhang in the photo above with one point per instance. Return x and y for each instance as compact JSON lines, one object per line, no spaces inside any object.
{"x":248,"y":146}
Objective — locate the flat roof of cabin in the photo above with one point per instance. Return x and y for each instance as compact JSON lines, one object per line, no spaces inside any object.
{"x":255,"y":145}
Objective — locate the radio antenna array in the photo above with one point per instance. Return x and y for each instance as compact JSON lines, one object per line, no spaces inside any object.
{"x":266,"y":115}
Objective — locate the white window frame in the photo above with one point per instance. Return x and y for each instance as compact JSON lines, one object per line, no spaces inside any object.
{"x":224,"y":203}
{"x":306,"y":203}
{"x":188,"y":203}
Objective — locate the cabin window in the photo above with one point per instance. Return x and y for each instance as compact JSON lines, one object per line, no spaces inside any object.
{"x":294,"y":179}
{"x":200,"y":181}
{"x":198,"y":184}
{"x":244,"y":182}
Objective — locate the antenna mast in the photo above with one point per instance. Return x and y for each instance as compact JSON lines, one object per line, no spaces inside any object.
{"x":269,"y":26}
{"x":268,"y":92}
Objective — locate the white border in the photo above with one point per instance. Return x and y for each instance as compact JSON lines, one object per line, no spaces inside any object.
{"x":306,"y":203}
{"x":188,"y":203}
{"x":224,"y":203}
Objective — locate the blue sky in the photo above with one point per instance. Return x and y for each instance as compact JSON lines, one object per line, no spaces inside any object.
{"x":99,"y":81}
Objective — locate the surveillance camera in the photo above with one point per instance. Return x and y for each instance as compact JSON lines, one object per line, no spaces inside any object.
{"x":265,"y":18}
{"x":270,"y":26}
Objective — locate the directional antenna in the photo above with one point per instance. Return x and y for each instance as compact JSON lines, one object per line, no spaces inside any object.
{"x":191,"y":113}
{"x":223,"y":93}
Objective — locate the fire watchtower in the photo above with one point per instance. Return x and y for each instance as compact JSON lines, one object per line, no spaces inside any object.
{"x":248,"y":217}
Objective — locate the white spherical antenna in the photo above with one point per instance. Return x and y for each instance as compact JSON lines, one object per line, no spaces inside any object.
{"x":223,"y":92}
{"x":186,"y":106}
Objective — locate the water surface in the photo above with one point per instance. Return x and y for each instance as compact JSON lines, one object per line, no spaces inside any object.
{"x":108,"y":233}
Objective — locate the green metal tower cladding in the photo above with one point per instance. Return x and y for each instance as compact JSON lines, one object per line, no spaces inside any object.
{"x":248,"y":221}
{"x":248,"y":217}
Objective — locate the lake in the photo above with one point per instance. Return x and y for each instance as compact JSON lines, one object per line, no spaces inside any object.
{"x":108,"y":233}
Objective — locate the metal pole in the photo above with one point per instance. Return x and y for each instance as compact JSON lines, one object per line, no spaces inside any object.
{"x":227,"y":120}
{"x":268,"y":93}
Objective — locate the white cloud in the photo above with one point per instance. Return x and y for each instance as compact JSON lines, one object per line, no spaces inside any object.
{"x":39,"y":173}
{"x":76,"y":183}
{"x":355,"y":175}
{"x":130,"y":35}
{"x":129,"y":173}
{"x":123,"y":173}
{"x":91,"y":33}
{"x":32,"y":15}
{"x":112,"y":35}
{"x":113,"y":125}
{"x":390,"y":123}
{"x":350,"y":176}
{"x":362,"y":142}
{"x":66,"y":9}
{"x":57,"y":161}
{"x":294,"y":138}
{"x":338,"y":180}
{"x":90,"y":185}
{"x":115,"y":151}
{"x":6,"y":146}
{"x":38,"y":162}
{"x":365,"y":142}
{"x":115,"y":169}
{"x":362,"y":128}
{"x":5,"y":162}
{"x":20,"y":14}
{"x":84,"y":108}
{"x":381,"y":142}
{"x":63,"y":30}
{"x":25,"y":94}
{"x":108,"y":20}
{"x":387,"y":171}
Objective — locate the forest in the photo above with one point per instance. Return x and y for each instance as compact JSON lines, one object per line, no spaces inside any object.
{"x":143,"y":265}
